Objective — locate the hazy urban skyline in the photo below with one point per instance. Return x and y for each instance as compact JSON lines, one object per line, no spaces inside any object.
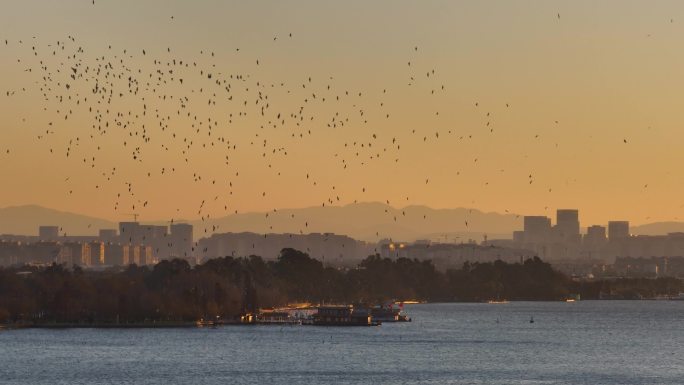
{"x":380,"y":221}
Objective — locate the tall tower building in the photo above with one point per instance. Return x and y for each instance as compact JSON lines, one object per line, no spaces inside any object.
{"x":130,"y":233}
{"x":618,"y":230}
{"x":537,"y":228}
{"x":596,"y":235}
{"x":567,"y":224}
{"x":156,"y":238}
{"x":181,"y":241}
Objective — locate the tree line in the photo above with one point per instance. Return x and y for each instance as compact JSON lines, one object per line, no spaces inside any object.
{"x":173,"y":291}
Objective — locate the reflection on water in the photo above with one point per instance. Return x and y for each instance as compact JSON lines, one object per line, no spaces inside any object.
{"x":587,"y":342}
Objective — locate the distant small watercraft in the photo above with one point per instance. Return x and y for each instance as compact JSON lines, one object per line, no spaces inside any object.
{"x":413,"y":302}
{"x":572,"y":298}
{"x":531,"y":320}
{"x":679,"y":297}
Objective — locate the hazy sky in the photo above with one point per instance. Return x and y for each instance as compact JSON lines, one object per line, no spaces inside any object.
{"x":517,"y":95}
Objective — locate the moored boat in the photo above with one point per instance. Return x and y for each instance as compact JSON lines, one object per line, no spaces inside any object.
{"x":345,"y":315}
{"x":276,"y":318}
{"x":389,"y":313}
{"x":497,"y":301}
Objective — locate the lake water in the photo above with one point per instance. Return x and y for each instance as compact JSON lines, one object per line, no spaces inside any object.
{"x":587,"y":342}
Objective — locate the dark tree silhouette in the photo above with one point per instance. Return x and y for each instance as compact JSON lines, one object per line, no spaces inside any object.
{"x":173,"y":291}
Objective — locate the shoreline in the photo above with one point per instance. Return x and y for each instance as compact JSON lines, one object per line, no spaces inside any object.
{"x":179,"y":325}
{"x":187,"y":325}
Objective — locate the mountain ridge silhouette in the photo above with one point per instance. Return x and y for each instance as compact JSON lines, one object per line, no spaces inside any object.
{"x":367,"y":221}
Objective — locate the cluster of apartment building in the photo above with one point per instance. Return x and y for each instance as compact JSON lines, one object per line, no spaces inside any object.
{"x":599,"y":251}
{"x":131,"y":243}
{"x":565,"y":241}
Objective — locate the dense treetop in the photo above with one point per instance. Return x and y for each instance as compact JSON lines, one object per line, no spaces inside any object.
{"x":173,"y":291}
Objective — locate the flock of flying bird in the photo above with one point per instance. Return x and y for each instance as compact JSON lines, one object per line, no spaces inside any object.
{"x":153,"y":106}
{"x":136,"y":101}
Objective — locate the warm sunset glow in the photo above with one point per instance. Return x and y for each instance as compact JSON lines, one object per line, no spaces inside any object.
{"x":536,"y":113}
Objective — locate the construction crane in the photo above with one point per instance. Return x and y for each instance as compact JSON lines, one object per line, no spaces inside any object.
{"x":135,"y":216}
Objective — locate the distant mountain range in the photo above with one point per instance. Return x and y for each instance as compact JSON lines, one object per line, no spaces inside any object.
{"x":363,"y":221}
{"x":658,"y":228}
{"x":373,"y":221}
{"x":24,"y":220}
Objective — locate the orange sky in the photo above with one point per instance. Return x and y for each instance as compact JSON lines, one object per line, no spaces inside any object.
{"x":525,"y":93}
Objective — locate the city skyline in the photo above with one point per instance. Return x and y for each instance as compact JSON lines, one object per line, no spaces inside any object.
{"x":446,"y":221}
{"x":563,"y":242}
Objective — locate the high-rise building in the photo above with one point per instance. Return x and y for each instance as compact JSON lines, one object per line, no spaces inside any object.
{"x":596,"y":235}
{"x":618,"y":230}
{"x":150,"y":233}
{"x":567,"y":224}
{"x":48,"y":233}
{"x":181,"y":241}
{"x":130,"y":233}
{"x":536,"y":228}
{"x":157,"y":238}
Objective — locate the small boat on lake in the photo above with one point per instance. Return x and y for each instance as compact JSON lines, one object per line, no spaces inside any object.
{"x":497,"y":301}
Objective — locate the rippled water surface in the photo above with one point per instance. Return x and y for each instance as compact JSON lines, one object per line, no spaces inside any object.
{"x":588,"y":342}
